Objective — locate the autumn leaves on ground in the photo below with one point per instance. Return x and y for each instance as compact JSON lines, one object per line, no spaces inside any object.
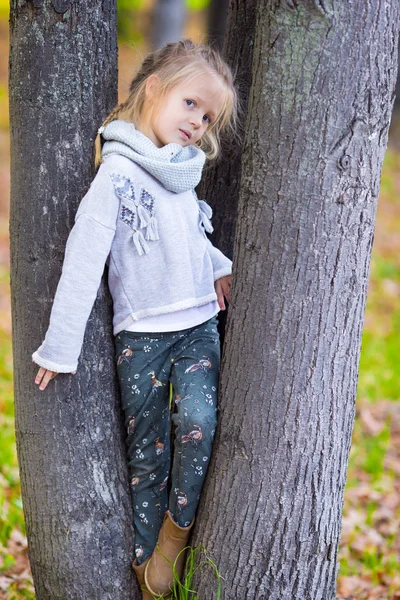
{"x":370,"y":545}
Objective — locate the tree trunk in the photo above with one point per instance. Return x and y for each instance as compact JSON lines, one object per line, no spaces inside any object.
{"x":221,"y":180}
{"x":321,"y":98}
{"x":70,"y":437}
{"x":168,"y":19}
{"x":216,"y":22}
{"x":397,"y":102}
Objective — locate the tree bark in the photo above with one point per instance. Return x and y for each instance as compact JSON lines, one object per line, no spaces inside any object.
{"x":70,"y":437}
{"x":320,"y":104}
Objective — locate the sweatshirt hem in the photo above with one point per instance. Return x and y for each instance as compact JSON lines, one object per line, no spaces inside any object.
{"x":51,"y":366}
{"x":152,"y":312}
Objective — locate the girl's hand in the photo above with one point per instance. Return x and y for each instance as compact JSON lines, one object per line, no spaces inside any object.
{"x":223,"y":288}
{"x":43,"y":377}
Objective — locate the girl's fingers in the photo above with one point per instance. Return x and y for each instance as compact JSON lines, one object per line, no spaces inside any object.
{"x":43,"y":377}
{"x":227,"y":293}
{"x":40,"y":374}
{"x":220,"y":294}
{"x":223,"y":289}
{"x":47,"y":376}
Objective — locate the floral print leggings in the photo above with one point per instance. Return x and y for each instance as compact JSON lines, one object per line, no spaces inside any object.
{"x":147,"y":363}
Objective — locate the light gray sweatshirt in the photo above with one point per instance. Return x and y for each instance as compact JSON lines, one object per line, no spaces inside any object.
{"x":142,"y":217}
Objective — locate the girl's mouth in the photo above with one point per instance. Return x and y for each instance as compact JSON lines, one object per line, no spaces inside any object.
{"x":185,"y":137}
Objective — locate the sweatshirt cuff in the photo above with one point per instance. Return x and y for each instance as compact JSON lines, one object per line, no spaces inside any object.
{"x":222,"y":272}
{"x":51,"y":366}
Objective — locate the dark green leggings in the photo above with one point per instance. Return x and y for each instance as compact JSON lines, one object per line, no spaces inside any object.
{"x":147,"y":363}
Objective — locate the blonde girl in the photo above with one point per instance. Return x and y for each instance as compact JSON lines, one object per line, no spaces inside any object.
{"x":141,"y":216}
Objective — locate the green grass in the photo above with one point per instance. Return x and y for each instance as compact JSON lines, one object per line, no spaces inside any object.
{"x":10,"y":492}
{"x":11,"y":512}
{"x":387,"y":184}
{"x":379,"y":369}
{"x":379,"y":360}
{"x":374,"y":452}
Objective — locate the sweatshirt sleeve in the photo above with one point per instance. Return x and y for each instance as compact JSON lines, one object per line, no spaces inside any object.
{"x":86,"y":252}
{"x":222,"y":265}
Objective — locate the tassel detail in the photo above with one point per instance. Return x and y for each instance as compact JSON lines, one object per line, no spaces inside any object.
{"x":152,"y":229}
{"x":143,"y":216}
{"x":140,"y":243}
{"x":206,"y":213}
{"x":205,"y":208}
{"x":206,"y":222}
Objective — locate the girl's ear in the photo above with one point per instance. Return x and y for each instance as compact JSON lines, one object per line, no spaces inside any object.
{"x":152,"y":83}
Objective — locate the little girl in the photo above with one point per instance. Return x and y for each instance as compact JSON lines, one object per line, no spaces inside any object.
{"x":142,"y":217}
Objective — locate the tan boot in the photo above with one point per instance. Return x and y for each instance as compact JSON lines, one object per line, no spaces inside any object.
{"x":159,"y":576}
{"x":139,"y":571}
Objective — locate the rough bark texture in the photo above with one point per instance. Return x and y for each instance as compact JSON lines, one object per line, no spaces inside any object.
{"x":70,"y":438}
{"x":321,"y":98}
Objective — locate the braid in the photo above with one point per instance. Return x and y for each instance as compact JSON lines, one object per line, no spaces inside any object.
{"x":113,"y":115}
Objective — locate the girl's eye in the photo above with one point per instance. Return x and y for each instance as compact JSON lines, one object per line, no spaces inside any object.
{"x":193,"y":102}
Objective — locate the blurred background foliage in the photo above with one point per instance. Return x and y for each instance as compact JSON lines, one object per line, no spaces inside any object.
{"x":369,"y":551}
{"x":134,"y":17}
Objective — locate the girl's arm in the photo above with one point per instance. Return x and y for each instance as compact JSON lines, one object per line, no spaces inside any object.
{"x":86,"y":252}
{"x":222,"y":267}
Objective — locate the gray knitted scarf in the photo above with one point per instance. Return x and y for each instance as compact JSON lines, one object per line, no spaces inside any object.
{"x":177,"y":167}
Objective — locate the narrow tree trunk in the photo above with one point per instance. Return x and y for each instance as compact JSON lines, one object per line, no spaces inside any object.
{"x":70,"y":443}
{"x":220,"y":184}
{"x":168,"y":20}
{"x":321,"y":99}
{"x":397,"y":102}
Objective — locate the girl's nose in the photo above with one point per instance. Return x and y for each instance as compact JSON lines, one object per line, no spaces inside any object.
{"x":196,"y":121}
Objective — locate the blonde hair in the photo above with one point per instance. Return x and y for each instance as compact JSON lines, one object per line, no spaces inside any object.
{"x":177,"y":63}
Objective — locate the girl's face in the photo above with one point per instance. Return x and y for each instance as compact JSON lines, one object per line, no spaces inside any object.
{"x":186,"y":112}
